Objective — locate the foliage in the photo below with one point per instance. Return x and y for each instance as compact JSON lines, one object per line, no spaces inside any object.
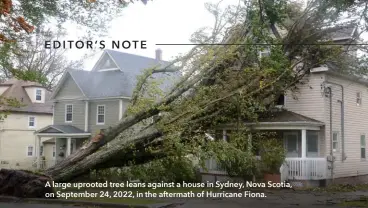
{"x":272,"y":155}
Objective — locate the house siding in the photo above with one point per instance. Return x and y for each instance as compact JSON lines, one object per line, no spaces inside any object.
{"x":355,"y":124}
{"x":309,"y":101}
{"x":111,"y":114}
{"x":69,"y":89}
{"x":78,"y":113}
{"x":16,"y":136}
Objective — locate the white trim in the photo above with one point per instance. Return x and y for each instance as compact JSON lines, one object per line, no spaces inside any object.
{"x":104,"y":114}
{"x":33,"y":151}
{"x":53,"y":113}
{"x":62,"y":135}
{"x":290,"y":127}
{"x":319,"y":69}
{"x":60,"y":83}
{"x":99,"y":60}
{"x":92,"y":99}
{"x":120,"y":109}
{"x":112,"y":69}
{"x":86,"y":105}
{"x":34,"y":122}
{"x":66,"y":113}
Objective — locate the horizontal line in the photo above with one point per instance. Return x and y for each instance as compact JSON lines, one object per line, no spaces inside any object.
{"x":224,"y":44}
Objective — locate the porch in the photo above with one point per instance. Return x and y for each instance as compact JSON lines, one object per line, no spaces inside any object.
{"x":303,"y":139}
{"x":65,"y":140}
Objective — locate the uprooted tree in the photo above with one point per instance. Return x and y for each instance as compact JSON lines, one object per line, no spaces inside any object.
{"x":222,"y":83}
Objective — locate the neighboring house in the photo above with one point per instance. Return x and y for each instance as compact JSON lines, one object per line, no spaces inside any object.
{"x":86,"y":102}
{"x":324,"y":136}
{"x":17,"y":139}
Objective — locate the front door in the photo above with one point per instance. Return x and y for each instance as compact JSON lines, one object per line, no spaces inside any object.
{"x":291,"y":144}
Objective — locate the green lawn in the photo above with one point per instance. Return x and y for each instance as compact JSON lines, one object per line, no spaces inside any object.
{"x":363,"y":202}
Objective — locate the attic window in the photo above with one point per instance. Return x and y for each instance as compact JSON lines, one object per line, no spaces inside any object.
{"x":38,"y":94}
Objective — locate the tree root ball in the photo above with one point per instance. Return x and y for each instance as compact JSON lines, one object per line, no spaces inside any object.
{"x":23,"y":184}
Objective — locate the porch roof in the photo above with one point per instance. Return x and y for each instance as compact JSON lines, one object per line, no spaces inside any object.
{"x":284,"y":119}
{"x":61,"y":131}
{"x":281,"y":120}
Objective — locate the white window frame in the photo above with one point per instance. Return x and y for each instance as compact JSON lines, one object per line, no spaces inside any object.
{"x":363,"y":146}
{"x":337,"y":141}
{"x":266,"y":51}
{"x":27,"y":151}
{"x":39,"y":95}
{"x":66,"y":113}
{"x":54,"y":151}
{"x":359,"y":98}
{"x":34,"y":122}
{"x":104,"y":115}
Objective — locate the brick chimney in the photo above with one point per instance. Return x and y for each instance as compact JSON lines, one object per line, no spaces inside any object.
{"x":158,"y":54}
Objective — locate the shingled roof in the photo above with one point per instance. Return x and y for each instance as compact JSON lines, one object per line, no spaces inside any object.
{"x":17,"y":91}
{"x":119,"y":83}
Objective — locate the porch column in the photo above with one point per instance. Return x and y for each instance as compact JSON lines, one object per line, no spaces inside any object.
{"x":68,"y":146}
{"x":86,"y":116}
{"x":38,"y":151}
{"x":224,"y":135}
{"x":304,"y":143}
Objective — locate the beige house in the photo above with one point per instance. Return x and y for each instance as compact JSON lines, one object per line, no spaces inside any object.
{"x":323,"y":126}
{"x":17,"y":140}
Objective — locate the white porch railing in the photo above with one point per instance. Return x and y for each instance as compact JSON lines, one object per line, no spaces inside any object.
{"x":306,"y":168}
{"x":291,"y":169}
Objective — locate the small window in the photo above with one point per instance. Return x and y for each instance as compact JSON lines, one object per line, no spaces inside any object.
{"x":264,"y":53}
{"x":68,"y":113}
{"x":100,"y":114}
{"x":41,"y":151}
{"x":281,"y":100}
{"x":362,"y":146}
{"x":31,"y":122}
{"x":359,"y":99}
{"x":335,"y":141}
{"x":53,"y":151}
{"x":38,"y":95}
{"x":30,"y":151}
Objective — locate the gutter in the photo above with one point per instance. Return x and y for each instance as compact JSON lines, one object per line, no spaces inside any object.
{"x":343,"y":156}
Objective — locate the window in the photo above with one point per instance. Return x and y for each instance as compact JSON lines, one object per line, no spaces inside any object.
{"x":68,"y":113}
{"x":53,"y":151}
{"x":31,"y":122}
{"x":362,"y":146}
{"x":312,"y":142}
{"x":281,"y":100}
{"x":30,"y":151}
{"x":335,"y":142}
{"x":38,"y":94}
{"x":359,"y":98}
{"x":100,"y":114}
{"x":41,"y":151}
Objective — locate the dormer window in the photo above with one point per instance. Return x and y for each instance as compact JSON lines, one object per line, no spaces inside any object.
{"x":38,"y":94}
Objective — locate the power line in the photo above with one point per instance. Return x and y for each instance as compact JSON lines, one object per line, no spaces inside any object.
{"x":257,"y":44}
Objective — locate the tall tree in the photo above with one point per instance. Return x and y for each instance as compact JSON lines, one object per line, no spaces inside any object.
{"x":221,"y":81}
{"x":32,"y":56}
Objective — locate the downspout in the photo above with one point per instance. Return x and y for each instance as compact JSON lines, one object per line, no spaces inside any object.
{"x":343,"y":156}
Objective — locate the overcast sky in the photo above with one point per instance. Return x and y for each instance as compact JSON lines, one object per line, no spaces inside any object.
{"x":160,"y":21}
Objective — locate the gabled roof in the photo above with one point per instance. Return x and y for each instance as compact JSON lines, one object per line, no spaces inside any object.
{"x":116,"y":83}
{"x":17,"y":91}
{"x":61,"y":129}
